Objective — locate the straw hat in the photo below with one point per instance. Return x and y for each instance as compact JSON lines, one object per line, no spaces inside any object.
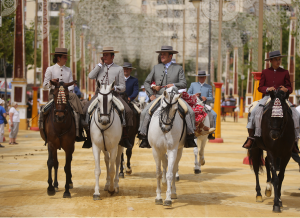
{"x":108,"y":50}
{"x":60,"y":51}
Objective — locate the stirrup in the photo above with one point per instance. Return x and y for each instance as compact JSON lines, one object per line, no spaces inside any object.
{"x":251,"y":139}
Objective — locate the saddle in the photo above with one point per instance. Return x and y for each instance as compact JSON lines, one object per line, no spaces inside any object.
{"x":182,"y":108}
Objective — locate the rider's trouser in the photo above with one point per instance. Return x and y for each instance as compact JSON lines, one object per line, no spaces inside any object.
{"x":146,"y":117}
{"x":252,"y":118}
{"x":212,"y":118}
{"x":128,"y":110}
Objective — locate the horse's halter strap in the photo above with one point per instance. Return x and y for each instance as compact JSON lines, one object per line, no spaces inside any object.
{"x":167,"y":110}
{"x":105,"y":101}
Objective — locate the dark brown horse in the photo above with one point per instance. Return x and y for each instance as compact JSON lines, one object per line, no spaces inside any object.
{"x":132,"y":131}
{"x":277,"y":138}
{"x":59,"y":127}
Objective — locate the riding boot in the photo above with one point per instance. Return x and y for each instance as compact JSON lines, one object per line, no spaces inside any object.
{"x":145,"y":142}
{"x":295,"y":148}
{"x":190,"y":142}
{"x":250,"y":139}
{"x":84,"y":124}
{"x":88,"y":142}
{"x":125,"y":139}
{"x":211,"y":136}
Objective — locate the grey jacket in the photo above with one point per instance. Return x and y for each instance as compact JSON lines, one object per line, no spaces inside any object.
{"x":115,"y":73}
{"x":175,"y":75}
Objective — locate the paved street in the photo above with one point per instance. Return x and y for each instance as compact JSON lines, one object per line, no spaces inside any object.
{"x":225,"y":187}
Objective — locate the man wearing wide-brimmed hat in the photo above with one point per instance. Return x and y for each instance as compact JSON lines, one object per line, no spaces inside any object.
{"x":132,"y":83}
{"x":165,"y":75}
{"x":107,"y":72}
{"x":204,"y":91}
{"x":272,"y":78}
{"x":60,"y":73}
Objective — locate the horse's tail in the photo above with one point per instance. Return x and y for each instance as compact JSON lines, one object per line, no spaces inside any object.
{"x":256,"y":159}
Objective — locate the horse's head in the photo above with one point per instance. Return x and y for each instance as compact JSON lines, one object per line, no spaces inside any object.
{"x":61,"y":96}
{"x":279,"y":113}
{"x":105,"y":98}
{"x":169,"y":106}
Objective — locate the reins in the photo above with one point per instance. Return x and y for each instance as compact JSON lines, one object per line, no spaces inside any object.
{"x":167,"y":110}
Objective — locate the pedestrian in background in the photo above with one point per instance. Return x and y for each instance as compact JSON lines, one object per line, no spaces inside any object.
{"x":2,"y":119}
{"x":14,"y":118}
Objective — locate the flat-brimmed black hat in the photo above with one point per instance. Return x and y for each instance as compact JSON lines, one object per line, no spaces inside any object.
{"x":166,"y":48}
{"x":274,"y":54}
{"x":60,"y":51}
{"x":128,"y":65}
{"x":201,"y":73}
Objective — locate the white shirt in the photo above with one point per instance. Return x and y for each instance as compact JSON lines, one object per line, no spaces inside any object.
{"x":202,"y":84}
{"x":16,"y":116}
{"x":298,"y":108}
{"x":126,"y":78}
{"x":64,"y":74}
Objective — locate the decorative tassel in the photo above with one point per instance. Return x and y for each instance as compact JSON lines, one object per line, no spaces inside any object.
{"x":61,"y":98}
{"x":277,"y":109}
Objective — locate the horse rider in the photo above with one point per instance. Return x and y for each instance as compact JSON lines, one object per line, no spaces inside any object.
{"x":272,"y":78}
{"x":143,"y":93}
{"x":132,"y":83}
{"x":107,"y":72}
{"x":60,"y":73}
{"x":165,"y":75}
{"x":204,"y":91}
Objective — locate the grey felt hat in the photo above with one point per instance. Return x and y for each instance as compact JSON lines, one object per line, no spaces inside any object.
{"x":128,"y":65}
{"x":201,"y":73}
{"x":274,"y":54}
{"x":166,"y":48}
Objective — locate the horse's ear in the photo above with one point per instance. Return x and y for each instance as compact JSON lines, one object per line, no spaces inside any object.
{"x":53,"y":83}
{"x":70,"y":84}
{"x":98,"y":84}
{"x":272,"y":94}
{"x":165,"y":93}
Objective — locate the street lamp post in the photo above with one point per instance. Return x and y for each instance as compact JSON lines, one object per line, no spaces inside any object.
{"x":196,"y":4}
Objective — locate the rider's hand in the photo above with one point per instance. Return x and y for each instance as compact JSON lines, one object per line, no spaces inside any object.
{"x":198,"y":95}
{"x":129,"y":99}
{"x":157,"y":88}
{"x":101,"y":60}
{"x":283,"y":88}
{"x":170,"y":85}
{"x":204,"y":98}
{"x":271,"y":89}
{"x":55,"y":80}
{"x":152,"y":97}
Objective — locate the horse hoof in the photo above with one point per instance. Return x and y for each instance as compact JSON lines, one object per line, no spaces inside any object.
{"x":106,"y":188}
{"x":167,"y":203}
{"x":268,"y":193}
{"x":177,"y":178}
{"x":121,"y":175}
{"x":111,"y":193}
{"x":96,"y":197}
{"x":71,"y":185}
{"x":51,"y":192}
{"x":197,"y":171}
{"x":128,"y":172}
{"x":173,"y":196}
{"x":158,"y":202}
{"x":259,"y":199}
{"x":276,"y":209}
{"x":67,"y":195}
{"x":56,"y":189}
{"x":117,"y":190}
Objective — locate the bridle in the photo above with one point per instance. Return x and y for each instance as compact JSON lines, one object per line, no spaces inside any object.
{"x":169,"y":121}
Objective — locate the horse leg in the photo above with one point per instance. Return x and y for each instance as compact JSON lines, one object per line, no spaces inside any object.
{"x":106,"y":159}
{"x":121,"y":174}
{"x":128,"y":154}
{"x":172,"y":155}
{"x":164,"y":160}
{"x":268,"y":191}
{"x":158,"y":199}
{"x":275,"y":182}
{"x":55,"y":163}
{"x":118,"y":160}
{"x":173,"y":190}
{"x":96,"y":152}
{"x":283,"y":164}
{"x":50,"y":163}
{"x":256,"y":154}
{"x":67,"y":169}
{"x":112,"y":162}
{"x":201,"y":153}
{"x":197,"y":165}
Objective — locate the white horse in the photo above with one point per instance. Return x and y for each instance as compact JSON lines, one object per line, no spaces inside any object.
{"x":142,"y":102}
{"x":106,"y":131}
{"x":167,"y":135}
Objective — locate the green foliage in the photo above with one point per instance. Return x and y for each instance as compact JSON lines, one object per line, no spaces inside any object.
{"x":29,"y":47}
{"x":7,"y":38}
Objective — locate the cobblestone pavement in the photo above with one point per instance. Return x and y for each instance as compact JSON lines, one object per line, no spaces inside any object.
{"x":225,"y":187}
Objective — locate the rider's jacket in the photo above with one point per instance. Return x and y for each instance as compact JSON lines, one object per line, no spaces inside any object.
{"x":174,"y":75}
{"x":107,"y":74}
{"x":64,"y":74}
{"x":274,"y":78}
{"x":132,"y":87}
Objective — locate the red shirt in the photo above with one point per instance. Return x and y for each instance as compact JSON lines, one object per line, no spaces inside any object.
{"x":274,"y":78}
